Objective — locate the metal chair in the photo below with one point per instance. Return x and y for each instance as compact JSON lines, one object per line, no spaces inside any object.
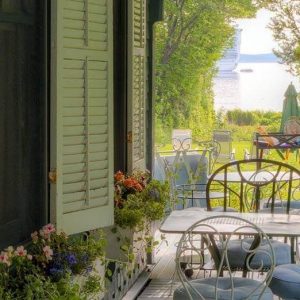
{"x":224,"y":138}
{"x":187,"y":171}
{"x":208,"y":235}
{"x":250,"y":185}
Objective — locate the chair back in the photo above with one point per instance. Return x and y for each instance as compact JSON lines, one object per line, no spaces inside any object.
{"x":212,"y":236}
{"x":224,"y":138}
{"x":255,"y":184}
{"x":181,"y":135}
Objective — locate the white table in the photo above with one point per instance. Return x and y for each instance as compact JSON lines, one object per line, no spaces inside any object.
{"x":278,"y":225}
{"x":281,"y":225}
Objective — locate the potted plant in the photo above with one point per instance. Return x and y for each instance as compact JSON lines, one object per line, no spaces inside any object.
{"x":139,"y":201}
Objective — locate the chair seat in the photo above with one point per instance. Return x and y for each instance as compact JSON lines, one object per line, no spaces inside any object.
{"x":237,"y":253}
{"x":198,"y":198}
{"x":278,"y":203}
{"x":200,"y":195}
{"x":285,"y":282}
{"x":207,"y":288}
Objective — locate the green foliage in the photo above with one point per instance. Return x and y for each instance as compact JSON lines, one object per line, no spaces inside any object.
{"x":189,"y":42}
{"x":286,"y":31}
{"x":246,"y":118}
{"x":145,"y":206}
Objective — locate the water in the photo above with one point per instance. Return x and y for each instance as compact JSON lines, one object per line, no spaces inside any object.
{"x":261,"y":89}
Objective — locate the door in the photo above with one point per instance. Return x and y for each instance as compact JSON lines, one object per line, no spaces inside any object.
{"x":23,"y":119}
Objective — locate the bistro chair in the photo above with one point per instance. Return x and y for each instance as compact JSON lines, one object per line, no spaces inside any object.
{"x":224,"y":139}
{"x":253,"y":186}
{"x":187,"y":170}
{"x":213,"y":235}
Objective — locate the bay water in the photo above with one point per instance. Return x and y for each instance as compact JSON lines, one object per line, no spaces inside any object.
{"x":253,"y":86}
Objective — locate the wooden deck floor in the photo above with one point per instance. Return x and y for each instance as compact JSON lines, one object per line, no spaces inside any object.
{"x":163,"y":278}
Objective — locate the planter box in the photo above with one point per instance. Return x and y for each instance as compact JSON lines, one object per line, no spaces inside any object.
{"x":124,"y":269}
{"x":99,"y":270}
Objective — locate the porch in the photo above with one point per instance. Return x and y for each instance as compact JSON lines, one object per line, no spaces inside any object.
{"x":163,"y":279}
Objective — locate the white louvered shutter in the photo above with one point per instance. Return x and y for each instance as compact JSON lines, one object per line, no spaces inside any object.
{"x":82,"y":110}
{"x":136,"y":83}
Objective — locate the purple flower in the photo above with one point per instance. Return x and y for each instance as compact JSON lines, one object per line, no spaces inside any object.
{"x":71,"y":259}
{"x":56,"y":271}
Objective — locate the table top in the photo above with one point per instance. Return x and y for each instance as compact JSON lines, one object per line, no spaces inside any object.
{"x":260,"y":176}
{"x":272,"y":224}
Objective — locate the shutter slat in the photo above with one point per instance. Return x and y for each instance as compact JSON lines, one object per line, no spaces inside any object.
{"x":75,"y":186}
{"x":76,"y":206}
{"x":81,"y":148}
{"x":80,"y":196}
{"x":94,"y":102}
{"x":94,"y":120}
{"x":79,"y":158}
{"x":78,"y":111}
{"x":93,"y":83}
{"x":80,"y":167}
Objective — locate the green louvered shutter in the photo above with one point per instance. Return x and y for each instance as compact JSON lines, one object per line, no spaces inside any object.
{"x":136,"y":83}
{"x":81,"y":114}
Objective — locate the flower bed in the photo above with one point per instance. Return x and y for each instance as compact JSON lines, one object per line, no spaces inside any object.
{"x":49,"y":267}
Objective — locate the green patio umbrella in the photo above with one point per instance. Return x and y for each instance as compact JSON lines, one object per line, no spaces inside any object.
{"x":290,"y":106}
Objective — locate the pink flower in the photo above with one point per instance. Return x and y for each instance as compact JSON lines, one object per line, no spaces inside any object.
{"x":34,"y":236}
{"x":29,"y":257}
{"x":48,"y":252}
{"x":20,"y":251}
{"x":46,"y":231}
{"x":49,"y":228}
{"x":4,"y":258}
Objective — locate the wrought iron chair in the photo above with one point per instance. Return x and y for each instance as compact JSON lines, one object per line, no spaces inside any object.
{"x":213,"y":235}
{"x":187,"y":171}
{"x":224,"y":139}
{"x":254,"y":186}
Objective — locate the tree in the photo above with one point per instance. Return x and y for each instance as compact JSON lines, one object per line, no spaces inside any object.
{"x":286,"y":31}
{"x":189,"y":42}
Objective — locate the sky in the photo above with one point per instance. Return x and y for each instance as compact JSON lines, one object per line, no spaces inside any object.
{"x":256,"y":37}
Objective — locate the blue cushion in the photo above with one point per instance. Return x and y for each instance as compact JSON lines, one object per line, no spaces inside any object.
{"x":243,"y":287}
{"x":195,"y":162}
{"x":293,"y":204}
{"x":159,"y":170}
{"x":285,"y":282}
{"x":237,"y":254}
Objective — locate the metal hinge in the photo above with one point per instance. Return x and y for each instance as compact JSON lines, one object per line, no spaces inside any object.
{"x":52,"y":176}
{"x":129,"y":137}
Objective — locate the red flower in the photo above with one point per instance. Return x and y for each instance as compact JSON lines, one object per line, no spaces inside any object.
{"x":119,"y":176}
{"x":138,"y":187}
{"x":129,"y":182}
